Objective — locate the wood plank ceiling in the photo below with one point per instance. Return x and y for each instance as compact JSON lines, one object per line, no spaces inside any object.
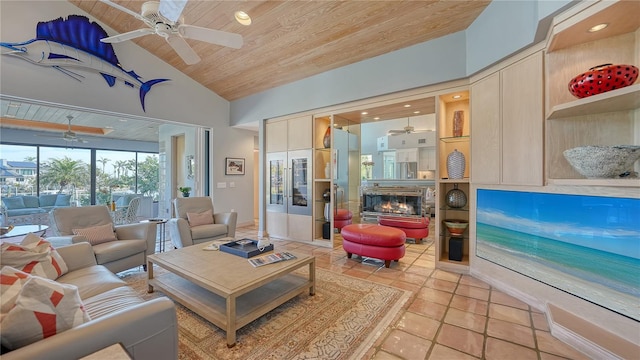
{"x":287,"y":41}
{"x":292,"y":40}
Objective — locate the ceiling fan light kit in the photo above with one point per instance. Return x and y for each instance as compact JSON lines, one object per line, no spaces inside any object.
{"x":243,"y":18}
{"x":165,"y":19}
{"x":406,"y":130}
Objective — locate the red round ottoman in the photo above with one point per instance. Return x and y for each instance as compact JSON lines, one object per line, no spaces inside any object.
{"x":375,"y":241}
{"x":341,"y":218}
{"x":413,"y":228}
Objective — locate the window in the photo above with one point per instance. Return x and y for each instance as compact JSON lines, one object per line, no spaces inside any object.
{"x":366,"y":166}
{"x":65,"y":171}
{"x":81,"y":173}
{"x":18,"y":168}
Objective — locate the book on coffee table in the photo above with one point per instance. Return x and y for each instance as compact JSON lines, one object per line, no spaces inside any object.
{"x":271,"y":258}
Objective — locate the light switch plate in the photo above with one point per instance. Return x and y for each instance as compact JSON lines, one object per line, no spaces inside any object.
{"x":222,"y":185}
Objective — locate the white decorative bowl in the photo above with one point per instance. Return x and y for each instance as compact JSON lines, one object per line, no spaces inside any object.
{"x":597,"y":162}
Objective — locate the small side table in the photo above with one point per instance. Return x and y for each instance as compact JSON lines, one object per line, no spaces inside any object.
{"x":161,"y":223}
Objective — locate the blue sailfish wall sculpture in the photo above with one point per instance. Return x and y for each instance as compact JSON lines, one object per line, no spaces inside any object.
{"x":74,"y":43}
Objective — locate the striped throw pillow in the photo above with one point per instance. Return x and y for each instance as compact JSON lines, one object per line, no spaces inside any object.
{"x":97,"y":234}
{"x":203,"y":218}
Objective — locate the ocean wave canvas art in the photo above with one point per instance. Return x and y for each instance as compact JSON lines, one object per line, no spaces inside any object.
{"x":588,"y":246}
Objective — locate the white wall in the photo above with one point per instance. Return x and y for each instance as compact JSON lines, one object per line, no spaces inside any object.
{"x":503,"y":28}
{"x":180,"y":100}
{"x":432,"y":62}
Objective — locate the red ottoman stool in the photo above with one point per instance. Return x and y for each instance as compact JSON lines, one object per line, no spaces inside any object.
{"x":375,"y":241}
{"x":341,"y":218}
{"x":413,"y":228}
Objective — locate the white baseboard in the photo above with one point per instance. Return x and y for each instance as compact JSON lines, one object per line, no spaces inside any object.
{"x":589,"y":338}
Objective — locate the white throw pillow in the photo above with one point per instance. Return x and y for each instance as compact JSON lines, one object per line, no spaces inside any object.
{"x":203,"y":218}
{"x":42,"y":309}
{"x":34,"y":255}
{"x":97,"y":234}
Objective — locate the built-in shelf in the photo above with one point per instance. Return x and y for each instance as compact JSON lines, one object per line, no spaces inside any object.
{"x":595,"y":182}
{"x":456,"y":265}
{"x":627,"y":98}
{"x":455,"y":139}
{"x":455,"y":181}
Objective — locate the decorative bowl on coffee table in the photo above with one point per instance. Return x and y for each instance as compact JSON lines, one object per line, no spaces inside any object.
{"x":5,"y":229}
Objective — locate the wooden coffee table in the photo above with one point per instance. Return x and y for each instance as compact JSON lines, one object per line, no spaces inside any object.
{"x":224,"y":288}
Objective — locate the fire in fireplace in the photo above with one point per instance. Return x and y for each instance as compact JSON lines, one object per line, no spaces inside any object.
{"x":391,"y":201}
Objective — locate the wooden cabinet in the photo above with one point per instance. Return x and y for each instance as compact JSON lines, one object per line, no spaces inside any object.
{"x":448,"y":104}
{"x":322,"y":182}
{"x":507,"y":109}
{"x":290,"y":134}
{"x":406,"y":155}
{"x":288,"y":172}
{"x":485,"y":109}
{"x":610,"y":118}
{"x":427,"y":159}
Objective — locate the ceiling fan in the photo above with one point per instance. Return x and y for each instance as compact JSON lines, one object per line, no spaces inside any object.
{"x":406,"y":130}
{"x":68,"y":135}
{"x":164,"y":18}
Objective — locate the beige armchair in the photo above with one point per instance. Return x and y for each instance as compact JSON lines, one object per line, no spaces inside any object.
{"x":129,"y":248}
{"x":200,"y":228}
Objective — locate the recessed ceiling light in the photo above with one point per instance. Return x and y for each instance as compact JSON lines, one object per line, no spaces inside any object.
{"x":598,"y":27}
{"x":364,"y":113}
{"x":416,"y":112}
{"x":376,"y":118}
{"x":242,"y":17}
{"x":407,"y":105}
{"x":457,"y":96}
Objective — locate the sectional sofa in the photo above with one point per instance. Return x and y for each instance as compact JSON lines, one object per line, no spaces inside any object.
{"x":146,"y":329}
{"x":30,"y":208}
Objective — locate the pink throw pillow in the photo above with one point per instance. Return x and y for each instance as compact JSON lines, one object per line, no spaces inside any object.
{"x":97,"y":234}
{"x":202,"y":218}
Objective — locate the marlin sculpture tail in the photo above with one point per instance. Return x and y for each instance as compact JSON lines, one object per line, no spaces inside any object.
{"x":74,"y":43}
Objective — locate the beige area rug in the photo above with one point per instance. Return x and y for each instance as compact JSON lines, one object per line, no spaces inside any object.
{"x":341,"y":321}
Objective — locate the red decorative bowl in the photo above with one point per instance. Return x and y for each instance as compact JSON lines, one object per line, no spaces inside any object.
{"x":602,"y":78}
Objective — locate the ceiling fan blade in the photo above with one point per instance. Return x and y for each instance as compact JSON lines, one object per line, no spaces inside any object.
{"x":183,"y":49}
{"x":123,"y":9}
{"x":212,"y":36}
{"x":171,"y":9}
{"x":395,"y":132}
{"x":128,"y":36}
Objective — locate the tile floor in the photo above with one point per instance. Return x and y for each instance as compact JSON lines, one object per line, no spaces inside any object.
{"x":449,"y":316}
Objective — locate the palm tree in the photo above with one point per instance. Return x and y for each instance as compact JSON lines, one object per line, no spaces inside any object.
{"x":120,"y":167}
{"x":104,"y":162}
{"x":64,"y":172}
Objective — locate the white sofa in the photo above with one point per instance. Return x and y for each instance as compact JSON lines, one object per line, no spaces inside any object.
{"x":146,"y":329}
{"x":183,"y":233}
{"x":134,"y":241}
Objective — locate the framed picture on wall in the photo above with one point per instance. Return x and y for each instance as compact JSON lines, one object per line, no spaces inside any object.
{"x":234,"y":166}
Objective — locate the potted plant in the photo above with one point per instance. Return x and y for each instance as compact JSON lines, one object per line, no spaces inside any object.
{"x":185,"y":190}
